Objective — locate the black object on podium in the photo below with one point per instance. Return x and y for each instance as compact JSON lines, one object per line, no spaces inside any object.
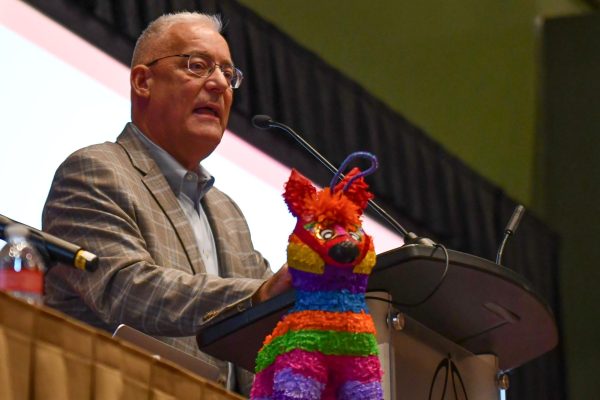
{"x":481,"y":306}
{"x":54,"y":249}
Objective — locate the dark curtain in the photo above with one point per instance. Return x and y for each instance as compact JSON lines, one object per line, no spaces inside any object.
{"x":419,"y":183}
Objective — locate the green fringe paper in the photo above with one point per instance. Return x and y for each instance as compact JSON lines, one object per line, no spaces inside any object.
{"x":326,"y":342}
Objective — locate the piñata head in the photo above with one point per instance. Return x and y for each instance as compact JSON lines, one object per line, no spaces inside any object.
{"x":329,"y":227}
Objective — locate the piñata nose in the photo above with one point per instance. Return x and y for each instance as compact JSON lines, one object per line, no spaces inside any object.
{"x":344,"y":252}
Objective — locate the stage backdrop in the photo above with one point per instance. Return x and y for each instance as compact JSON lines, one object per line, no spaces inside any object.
{"x":429,"y":190}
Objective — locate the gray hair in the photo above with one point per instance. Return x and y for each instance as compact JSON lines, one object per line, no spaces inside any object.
{"x":146,"y":43}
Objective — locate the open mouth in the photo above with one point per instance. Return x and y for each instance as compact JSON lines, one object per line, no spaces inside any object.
{"x":207,"y":111}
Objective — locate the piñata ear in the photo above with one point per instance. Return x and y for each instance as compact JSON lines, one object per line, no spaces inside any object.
{"x":358,"y":191}
{"x":297,"y":190}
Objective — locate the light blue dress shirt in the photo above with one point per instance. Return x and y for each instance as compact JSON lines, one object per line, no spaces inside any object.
{"x":189,"y":188}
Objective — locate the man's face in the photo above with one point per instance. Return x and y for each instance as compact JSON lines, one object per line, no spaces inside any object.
{"x":187,"y":114}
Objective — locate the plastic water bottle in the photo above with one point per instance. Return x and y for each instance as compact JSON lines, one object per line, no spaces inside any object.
{"x":21,"y":266}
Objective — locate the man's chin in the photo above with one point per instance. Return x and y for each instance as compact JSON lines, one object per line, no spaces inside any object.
{"x":207,"y":137}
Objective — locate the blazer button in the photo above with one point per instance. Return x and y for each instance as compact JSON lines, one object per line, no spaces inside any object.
{"x":210,"y":315}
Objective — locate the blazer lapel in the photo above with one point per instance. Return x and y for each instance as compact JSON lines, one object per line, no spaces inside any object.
{"x":213,"y":214}
{"x":236,"y":255}
{"x":156,"y":183}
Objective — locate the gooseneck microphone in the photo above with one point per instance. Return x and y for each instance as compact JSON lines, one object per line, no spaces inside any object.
{"x":266,"y":122}
{"x":511,"y":228}
{"x":57,"y":250}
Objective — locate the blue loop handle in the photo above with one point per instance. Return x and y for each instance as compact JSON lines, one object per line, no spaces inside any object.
{"x":348,"y":160}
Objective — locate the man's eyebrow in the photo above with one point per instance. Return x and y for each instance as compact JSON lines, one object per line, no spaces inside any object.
{"x":205,"y":54}
{"x":199,"y":53}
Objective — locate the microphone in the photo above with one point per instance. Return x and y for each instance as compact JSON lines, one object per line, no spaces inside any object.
{"x":56,"y":249}
{"x":511,"y":228}
{"x":265,"y":122}
{"x":515,"y":220}
{"x":262,"y":121}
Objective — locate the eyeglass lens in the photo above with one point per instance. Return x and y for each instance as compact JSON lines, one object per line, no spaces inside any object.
{"x":203,"y":67}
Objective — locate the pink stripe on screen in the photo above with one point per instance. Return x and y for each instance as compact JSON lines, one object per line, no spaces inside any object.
{"x":253,"y":159}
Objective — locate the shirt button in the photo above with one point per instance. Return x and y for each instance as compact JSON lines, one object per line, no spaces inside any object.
{"x":189,"y":177}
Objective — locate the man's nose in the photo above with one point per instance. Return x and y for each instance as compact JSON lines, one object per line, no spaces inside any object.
{"x":217,"y":80}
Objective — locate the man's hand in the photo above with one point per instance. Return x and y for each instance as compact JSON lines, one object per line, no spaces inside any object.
{"x":277,"y":284}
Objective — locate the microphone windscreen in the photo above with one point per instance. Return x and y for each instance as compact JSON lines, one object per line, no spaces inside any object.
{"x":515,"y":219}
{"x":262,"y":121}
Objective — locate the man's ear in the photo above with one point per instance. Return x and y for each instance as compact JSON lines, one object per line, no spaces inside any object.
{"x":141,"y":80}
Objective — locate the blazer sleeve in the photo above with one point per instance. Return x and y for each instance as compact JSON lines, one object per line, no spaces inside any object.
{"x":143,"y":279}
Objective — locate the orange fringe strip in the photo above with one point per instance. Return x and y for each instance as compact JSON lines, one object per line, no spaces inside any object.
{"x":323,"y":321}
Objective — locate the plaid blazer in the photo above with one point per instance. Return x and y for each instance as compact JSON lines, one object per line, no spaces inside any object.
{"x":112,"y":199}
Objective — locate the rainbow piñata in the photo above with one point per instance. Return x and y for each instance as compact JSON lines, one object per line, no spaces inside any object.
{"x":325,"y":347}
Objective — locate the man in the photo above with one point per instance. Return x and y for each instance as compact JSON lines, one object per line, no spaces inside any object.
{"x":174,"y":251}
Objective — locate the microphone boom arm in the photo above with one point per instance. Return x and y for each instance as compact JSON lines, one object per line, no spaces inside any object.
{"x":265,"y":122}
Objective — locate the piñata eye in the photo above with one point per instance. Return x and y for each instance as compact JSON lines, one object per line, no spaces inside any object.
{"x":326,"y":234}
{"x":355,"y":235}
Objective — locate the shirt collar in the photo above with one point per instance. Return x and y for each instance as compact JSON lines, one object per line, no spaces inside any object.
{"x":194,"y":184}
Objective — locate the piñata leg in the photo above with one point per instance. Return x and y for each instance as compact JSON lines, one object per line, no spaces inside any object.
{"x":358,"y":378}
{"x":355,"y":390}
{"x":262,"y":388}
{"x":300,"y":375}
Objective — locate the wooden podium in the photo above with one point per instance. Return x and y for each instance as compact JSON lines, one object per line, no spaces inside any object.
{"x":45,"y":354}
{"x":482,"y":320}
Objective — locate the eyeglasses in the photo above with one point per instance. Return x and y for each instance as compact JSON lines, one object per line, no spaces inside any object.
{"x":203,"y":66}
